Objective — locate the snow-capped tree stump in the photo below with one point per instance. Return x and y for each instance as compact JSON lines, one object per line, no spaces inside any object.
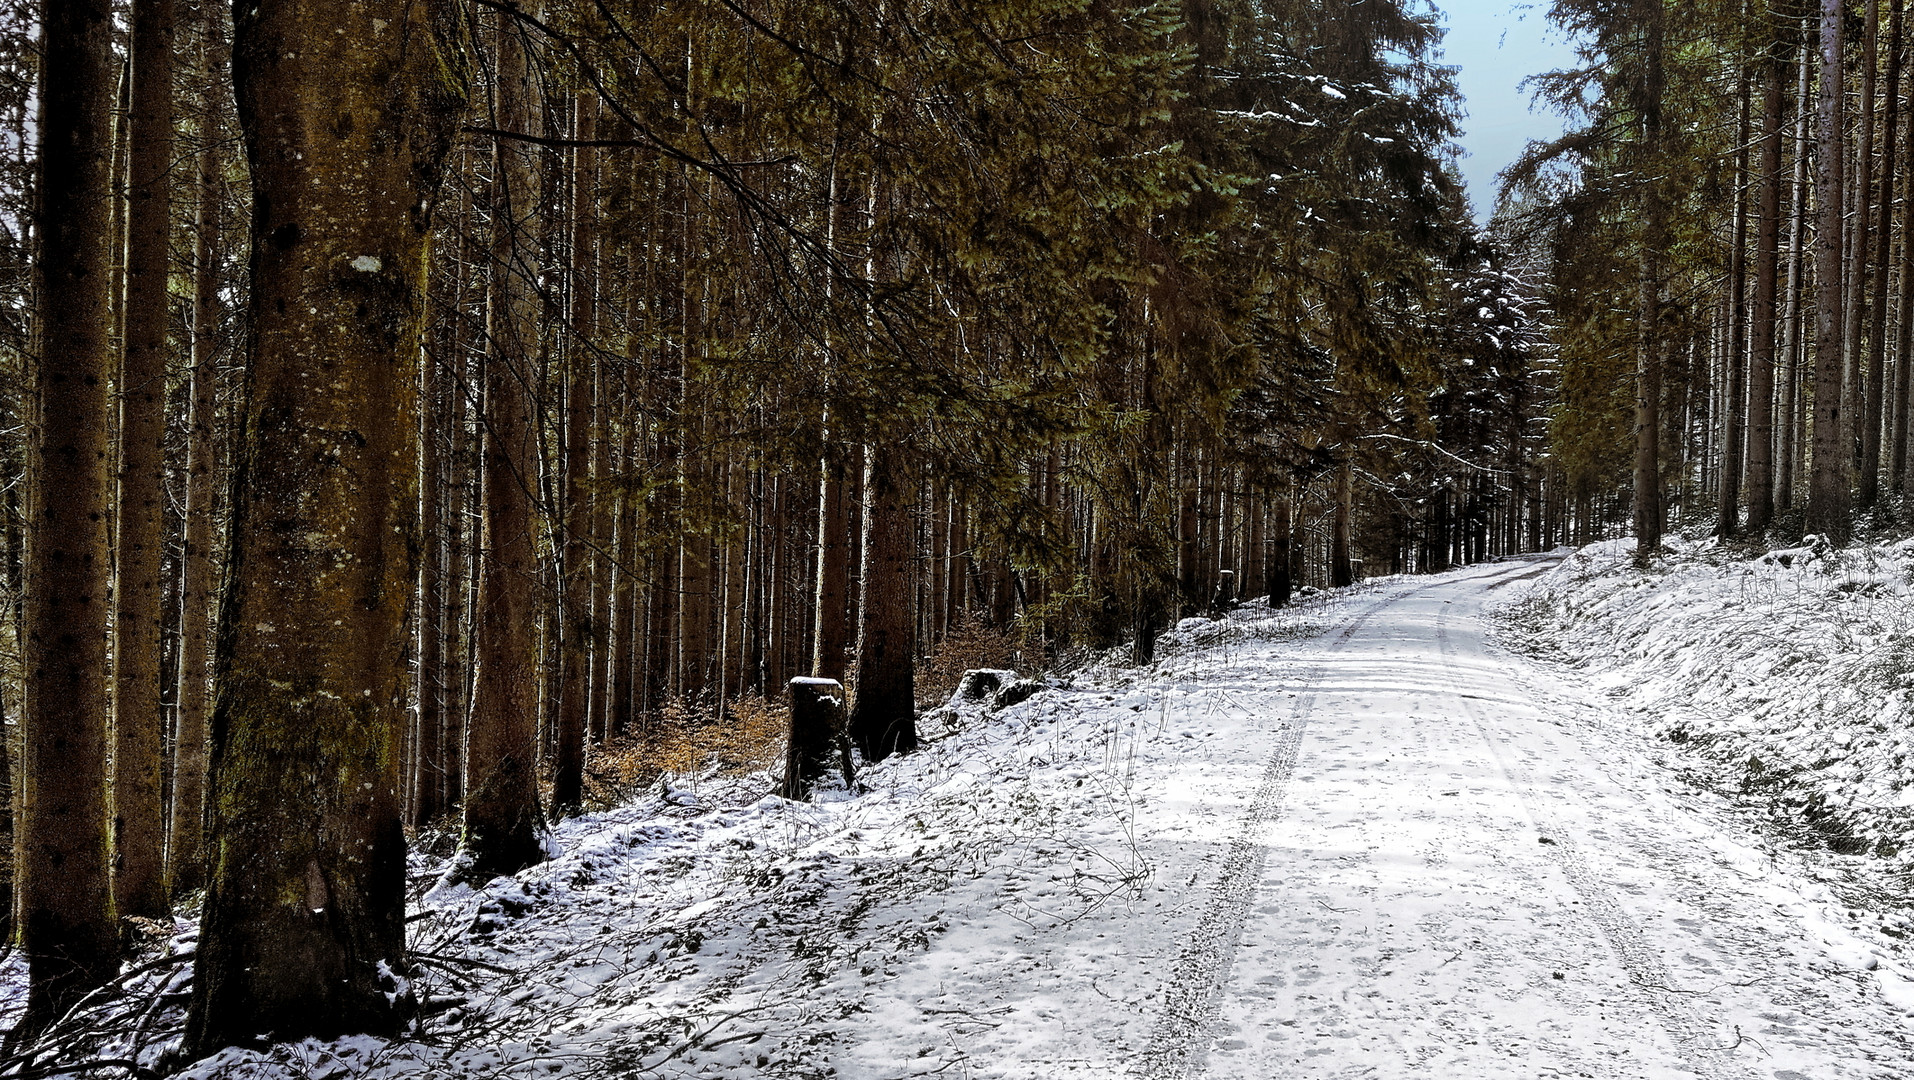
{"x":1225,"y":598}
{"x":816,"y":733}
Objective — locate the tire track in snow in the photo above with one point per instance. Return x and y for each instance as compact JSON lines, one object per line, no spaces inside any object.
{"x":1640,"y":962}
{"x":1193,"y":994}
{"x":1195,"y":988}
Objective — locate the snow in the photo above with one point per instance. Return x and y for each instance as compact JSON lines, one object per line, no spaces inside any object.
{"x":1355,"y":837}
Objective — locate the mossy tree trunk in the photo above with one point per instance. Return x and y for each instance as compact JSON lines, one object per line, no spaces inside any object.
{"x":348,"y":112}
{"x":503,"y":828}
{"x":65,"y":903}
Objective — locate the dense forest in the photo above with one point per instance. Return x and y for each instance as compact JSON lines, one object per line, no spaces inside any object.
{"x":413,"y":411}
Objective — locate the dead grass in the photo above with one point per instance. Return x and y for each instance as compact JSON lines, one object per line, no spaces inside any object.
{"x":749,"y":736}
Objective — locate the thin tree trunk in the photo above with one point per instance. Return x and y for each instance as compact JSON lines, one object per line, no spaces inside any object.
{"x":503,"y":828}
{"x":1877,"y":330}
{"x":1828,"y":489}
{"x":1649,"y":516}
{"x":1341,"y":574}
{"x":830,"y":660}
{"x":1767,"y":272}
{"x":185,"y":852}
{"x":575,"y":631}
{"x":65,"y":896}
{"x":1904,"y":303}
{"x":1189,"y":587}
{"x":1280,"y":582}
{"x":427,"y":791}
{"x":1858,"y":189}
{"x":462,"y":564}
{"x":1792,"y":427}
{"x":624,"y":591}
{"x":1734,"y":383}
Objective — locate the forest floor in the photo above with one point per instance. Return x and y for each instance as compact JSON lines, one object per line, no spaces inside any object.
{"x":1432,"y":827}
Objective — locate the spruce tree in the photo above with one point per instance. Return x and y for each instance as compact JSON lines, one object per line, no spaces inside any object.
{"x":348,"y":114}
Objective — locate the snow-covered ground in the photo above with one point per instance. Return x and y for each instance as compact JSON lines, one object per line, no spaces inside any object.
{"x":1351,"y":839}
{"x":1793,"y":668}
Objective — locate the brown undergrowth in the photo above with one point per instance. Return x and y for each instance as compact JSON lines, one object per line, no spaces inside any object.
{"x":684,"y":739}
{"x":972,"y":644}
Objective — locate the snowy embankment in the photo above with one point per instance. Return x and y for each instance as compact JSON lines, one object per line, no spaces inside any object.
{"x":933,"y":920}
{"x":1788,"y":673}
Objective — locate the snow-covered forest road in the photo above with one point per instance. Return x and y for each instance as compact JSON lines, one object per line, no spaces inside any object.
{"x":1395,"y":851}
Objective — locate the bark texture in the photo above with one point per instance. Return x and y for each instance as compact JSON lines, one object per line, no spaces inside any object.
{"x":348,"y":111}
{"x":139,"y":877}
{"x":814,"y":736}
{"x":1828,"y":487}
{"x":1875,"y":412}
{"x":65,"y":903}
{"x":1649,"y":517}
{"x":576,"y":633}
{"x":833,"y":635}
{"x":1761,"y":356}
{"x":186,"y":848}
{"x":503,"y":828}
{"x":883,"y":718}
{"x":1734,"y":372}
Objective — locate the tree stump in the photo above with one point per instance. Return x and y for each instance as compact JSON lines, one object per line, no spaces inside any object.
{"x":1225,"y":598}
{"x":816,"y":733}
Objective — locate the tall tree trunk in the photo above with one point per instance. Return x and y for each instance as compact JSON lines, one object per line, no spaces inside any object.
{"x":426,"y":801}
{"x":1858,"y":190}
{"x":462,"y":564}
{"x":1792,"y":438}
{"x":1876,"y":405}
{"x":65,"y":898}
{"x":185,"y":851}
{"x":139,"y":866}
{"x":1734,"y":383}
{"x":1904,"y":302}
{"x":1649,"y":516}
{"x":1828,"y":487}
{"x":575,"y":629}
{"x":1189,"y":587}
{"x":1254,"y":560}
{"x":503,"y":827}
{"x":348,"y":116}
{"x":627,"y":630}
{"x":1761,"y":358}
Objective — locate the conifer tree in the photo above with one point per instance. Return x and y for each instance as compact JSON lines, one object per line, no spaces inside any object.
{"x":139,"y":880}
{"x":65,"y":895}
{"x":348,"y":114}
{"x":503,"y":827}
